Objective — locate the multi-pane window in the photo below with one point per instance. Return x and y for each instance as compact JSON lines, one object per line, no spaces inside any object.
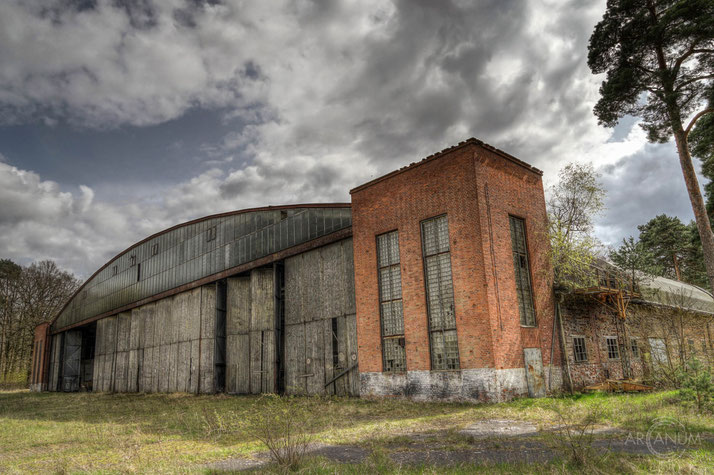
{"x":579,"y":350}
{"x":613,"y":352}
{"x":211,"y":234}
{"x":390,"y":302}
{"x":522,"y":272}
{"x":635,"y":349}
{"x":439,"y":293}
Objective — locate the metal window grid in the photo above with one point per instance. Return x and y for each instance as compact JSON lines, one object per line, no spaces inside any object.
{"x":521,"y":269}
{"x":613,"y":352}
{"x":390,"y":302}
{"x":443,"y":341}
{"x":579,"y":349}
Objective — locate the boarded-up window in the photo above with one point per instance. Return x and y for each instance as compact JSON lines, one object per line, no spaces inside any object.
{"x":390,"y":302}
{"x":439,"y":293}
{"x":579,"y":349}
{"x":522,"y":272}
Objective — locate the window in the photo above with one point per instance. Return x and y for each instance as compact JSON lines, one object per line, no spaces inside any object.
{"x":155,"y":249}
{"x":635,"y":349}
{"x":692,"y":351}
{"x":390,"y":302}
{"x":579,"y":350}
{"x":115,"y":270}
{"x":439,"y":294}
{"x":132,"y":260}
{"x":211,"y":234}
{"x":138,"y":273}
{"x":522,"y":272}
{"x":613,"y":351}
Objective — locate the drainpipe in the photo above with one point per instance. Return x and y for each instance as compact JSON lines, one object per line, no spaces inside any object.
{"x":563,"y":352}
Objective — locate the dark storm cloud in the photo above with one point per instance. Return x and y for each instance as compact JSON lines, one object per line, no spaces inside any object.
{"x":315,"y":96}
{"x":641,"y":186}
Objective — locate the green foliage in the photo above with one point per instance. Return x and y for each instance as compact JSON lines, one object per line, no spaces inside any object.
{"x":633,"y":257}
{"x":574,"y":202}
{"x":666,"y":239}
{"x":659,"y":59}
{"x":696,"y":385}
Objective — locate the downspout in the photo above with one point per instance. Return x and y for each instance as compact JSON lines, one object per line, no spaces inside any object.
{"x":563,"y":352}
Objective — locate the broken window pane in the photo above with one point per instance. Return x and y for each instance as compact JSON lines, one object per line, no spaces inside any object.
{"x":522,"y":275}
{"x":440,"y":293}
{"x":390,"y":302}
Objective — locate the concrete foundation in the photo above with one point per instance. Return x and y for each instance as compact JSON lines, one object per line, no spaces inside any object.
{"x":477,"y":385}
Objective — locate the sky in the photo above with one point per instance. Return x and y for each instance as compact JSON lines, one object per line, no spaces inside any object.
{"x":119,"y":118}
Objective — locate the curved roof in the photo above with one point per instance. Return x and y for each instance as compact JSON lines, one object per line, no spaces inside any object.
{"x":196,"y":249}
{"x":674,"y":293}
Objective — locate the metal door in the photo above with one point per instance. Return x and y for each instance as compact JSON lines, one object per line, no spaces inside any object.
{"x":534,"y":372}
{"x":71,"y":363}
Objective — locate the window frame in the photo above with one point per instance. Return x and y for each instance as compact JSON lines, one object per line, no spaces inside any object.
{"x":634,"y":347}
{"x":616,"y":346}
{"x":399,"y":338}
{"x":443,"y":331}
{"x":584,"y":349}
{"x":530,"y":271}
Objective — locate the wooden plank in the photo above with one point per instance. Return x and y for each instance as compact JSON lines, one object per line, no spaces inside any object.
{"x":194,"y":373}
{"x":239,"y":305}
{"x":295,"y":359}
{"x":351,"y":354}
{"x":238,"y":367}
{"x":329,"y":367}
{"x":268,"y":374}
{"x":262,"y":296}
{"x":315,"y":357}
{"x":183,"y":366}
{"x":349,"y":274}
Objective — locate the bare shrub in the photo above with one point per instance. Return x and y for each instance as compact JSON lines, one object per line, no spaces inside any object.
{"x":575,"y":434}
{"x":284,"y":425}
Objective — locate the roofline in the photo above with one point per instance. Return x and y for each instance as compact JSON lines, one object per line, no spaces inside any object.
{"x":465,"y":143}
{"x":335,"y":236}
{"x":194,"y":221}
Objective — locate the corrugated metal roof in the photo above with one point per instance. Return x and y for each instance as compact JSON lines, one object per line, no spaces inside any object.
{"x":661,"y":290}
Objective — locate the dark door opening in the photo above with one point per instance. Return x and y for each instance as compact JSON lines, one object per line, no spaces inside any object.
{"x":279,"y":286}
{"x":77,"y":358}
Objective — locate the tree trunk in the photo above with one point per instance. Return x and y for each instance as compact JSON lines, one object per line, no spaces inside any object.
{"x":695,"y":197}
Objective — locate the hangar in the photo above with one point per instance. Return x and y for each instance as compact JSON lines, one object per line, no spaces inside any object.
{"x":425,"y":285}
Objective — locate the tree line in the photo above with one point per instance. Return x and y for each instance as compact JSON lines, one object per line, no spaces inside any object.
{"x":29,"y":295}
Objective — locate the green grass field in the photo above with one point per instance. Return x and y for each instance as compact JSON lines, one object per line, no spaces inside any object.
{"x":56,"y":432}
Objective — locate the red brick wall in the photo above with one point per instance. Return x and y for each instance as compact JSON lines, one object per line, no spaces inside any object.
{"x":454,"y":182}
{"x":40,"y":356}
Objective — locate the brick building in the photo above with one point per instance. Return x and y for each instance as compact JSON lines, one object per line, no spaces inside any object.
{"x":663,"y":325}
{"x":431,"y":283}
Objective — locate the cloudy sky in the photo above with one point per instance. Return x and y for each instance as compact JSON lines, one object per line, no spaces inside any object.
{"x":119,"y":118}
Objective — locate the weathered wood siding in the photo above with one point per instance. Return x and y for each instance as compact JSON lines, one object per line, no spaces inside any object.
{"x":319,"y":287}
{"x":165,"y":346}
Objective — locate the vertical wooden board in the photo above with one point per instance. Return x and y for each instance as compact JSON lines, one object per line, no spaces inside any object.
{"x":149,"y":315}
{"x":342,"y":384}
{"x":120,"y":371}
{"x":162,"y":322}
{"x":329,"y":368}
{"x":231,"y":358}
{"x":315,"y":360}
{"x":193,"y":316}
{"x":156,"y":373}
{"x":353,"y":375}
{"x":262,"y":296}
{"x":295,"y":359}
{"x":163,"y":370}
{"x":96,"y":374}
{"x":349,"y":275}
{"x":132,"y":378}
{"x":208,"y":312}
{"x":136,"y":324}
{"x":293,"y":290}
{"x":238,"y":364}
{"x":145,"y":376}
{"x":108,"y":371}
{"x":206,"y":375}
{"x":194,"y":368}
{"x":172,"y":357}
{"x":239,"y":305}
{"x":183,"y":373}
{"x":123,"y":331}
{"x":256,"y":360}
{"x":312,"y":275}
{"x":268,"y":383}
{"x":330,"y":288}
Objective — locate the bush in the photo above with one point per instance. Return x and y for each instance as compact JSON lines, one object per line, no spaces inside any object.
{"x":575,"y":433}
{"x":696,"y":385}
{"x":285,"y":425}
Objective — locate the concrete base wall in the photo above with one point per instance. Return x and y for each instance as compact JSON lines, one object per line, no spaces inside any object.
{"x":478,"y":385}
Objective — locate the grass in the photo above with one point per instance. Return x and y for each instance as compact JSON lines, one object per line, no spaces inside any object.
{"x":85,"y":432}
